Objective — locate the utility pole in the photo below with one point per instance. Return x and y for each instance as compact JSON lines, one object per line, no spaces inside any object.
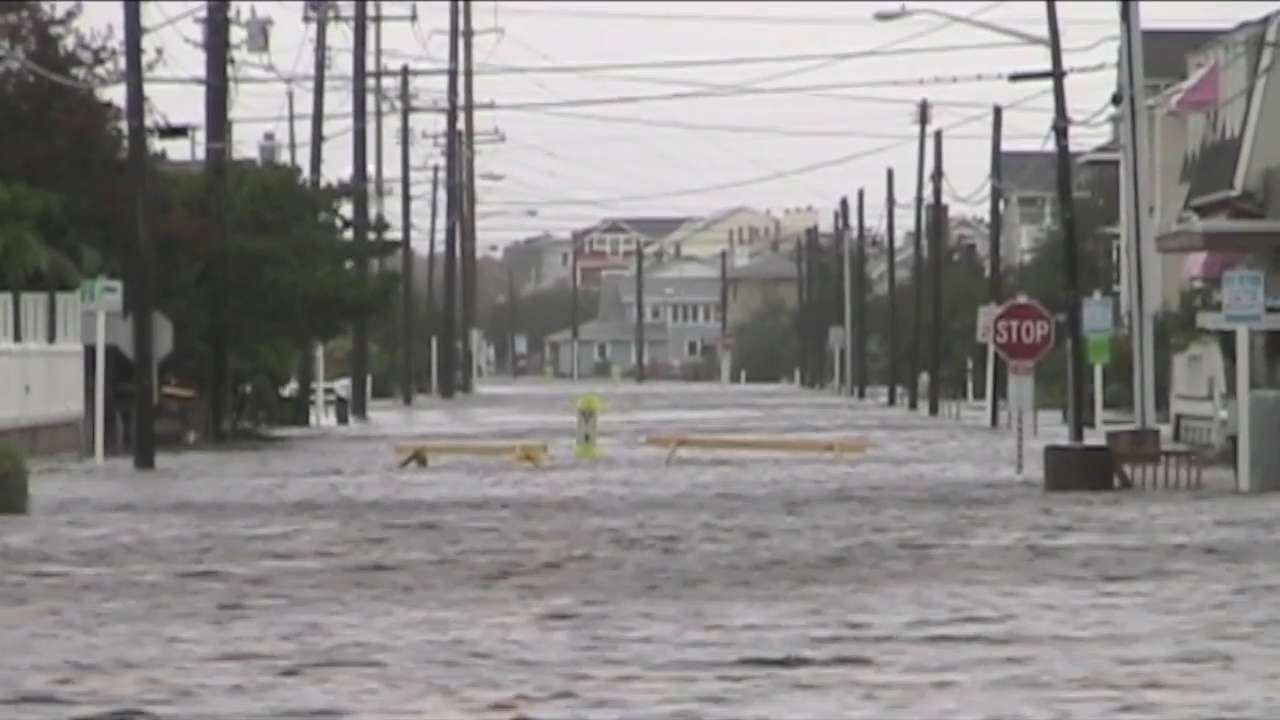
{"x":448,"y":336}
{"x":815,"y":354}
{"x":316,"y":366}
{"x":573,"y":308}
{"x":1142,"y":268}
{"x":511,"y":321}
{"x":379,"y":203}
{"x":406,"y":250}
{"x":995,"y":265}
{"x":293,"y":137}
{"x":891,"y":241}
{"x":144,"y":431}
{"x":216,"y":151}
{"x":801,"y":326}
{"x":360,"y":213}
{"x":431,"y":278}
{"x":469,"y":208}
{"x":724,"y":297}
{"x":847,"y":305}
{"x":935,"y":262}
{"x":639,"y":312}
{"x":917,"y":265}
{"x":862,"y":297}
{"x":1075,"y":366}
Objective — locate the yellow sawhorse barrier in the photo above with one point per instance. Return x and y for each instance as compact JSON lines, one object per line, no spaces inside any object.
{"x":528,"y":453}
{"x":838,"y":448}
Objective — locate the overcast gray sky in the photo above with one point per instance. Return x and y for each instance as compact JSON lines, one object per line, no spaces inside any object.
{"x":805,"y":145}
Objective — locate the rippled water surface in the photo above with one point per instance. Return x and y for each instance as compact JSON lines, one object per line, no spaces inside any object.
{"x":309,"y":578}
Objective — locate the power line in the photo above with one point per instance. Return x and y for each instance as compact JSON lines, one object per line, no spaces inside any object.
{"x":701,"y":94}
{"x":790,"y":172}
{"x":827,"y":20}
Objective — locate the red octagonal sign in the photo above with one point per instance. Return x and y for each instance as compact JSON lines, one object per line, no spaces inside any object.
{"x":1022,"y":332}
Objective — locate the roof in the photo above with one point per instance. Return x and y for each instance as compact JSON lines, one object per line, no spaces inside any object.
{"x":653,"y":228}
{"x":610,"y":330}
{"x":1030,"y":171}
{"x":712,"y":219}
{"x":766,"y":267}
{"x":1164,"y":52}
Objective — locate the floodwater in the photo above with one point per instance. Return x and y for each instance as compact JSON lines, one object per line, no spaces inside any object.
{"x":309,"y":578}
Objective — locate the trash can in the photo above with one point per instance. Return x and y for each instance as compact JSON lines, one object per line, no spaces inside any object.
{"x":342,"y":409}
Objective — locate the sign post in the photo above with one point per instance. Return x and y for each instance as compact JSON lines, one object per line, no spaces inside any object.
{"x":987,"y":313}
{"x":1022,"y":332}
{"x":1244,"y":298}
{"x":100,"y":296}
{"x":1097,"y":316}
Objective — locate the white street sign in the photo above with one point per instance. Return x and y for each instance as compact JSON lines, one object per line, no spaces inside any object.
{"x":986,"y":315}
{"x":1098,"y":316}
{"x":102,"y":294}
{"x":1244,"y":295}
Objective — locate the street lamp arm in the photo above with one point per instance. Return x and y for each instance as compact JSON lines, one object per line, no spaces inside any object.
{"x":902,"y":12}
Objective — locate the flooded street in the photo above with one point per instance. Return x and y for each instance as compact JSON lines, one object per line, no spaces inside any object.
{"x":309,"y":578}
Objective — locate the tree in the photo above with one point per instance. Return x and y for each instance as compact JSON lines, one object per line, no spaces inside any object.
{"x":538,"y":314}
{"x":56,"y":135}
{"x":289,"y":283}
{"x":767,"y":346}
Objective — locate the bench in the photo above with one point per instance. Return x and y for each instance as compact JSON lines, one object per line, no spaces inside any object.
{"x":528,"y":453}
{"x":1140,"y":461}
{"x":838,"y":448}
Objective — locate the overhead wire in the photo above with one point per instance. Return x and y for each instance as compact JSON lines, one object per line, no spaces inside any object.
{"x":779,"y":175}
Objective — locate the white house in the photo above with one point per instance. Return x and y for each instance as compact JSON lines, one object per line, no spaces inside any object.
{"x":741,"y":231}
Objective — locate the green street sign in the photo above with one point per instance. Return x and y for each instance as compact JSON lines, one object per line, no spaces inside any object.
{"x":1099,"y":350}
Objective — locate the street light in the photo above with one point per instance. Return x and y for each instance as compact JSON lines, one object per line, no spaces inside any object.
{"x":905,"y":12}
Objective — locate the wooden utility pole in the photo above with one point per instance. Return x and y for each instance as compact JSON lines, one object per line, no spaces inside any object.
{"x":406,"y":249}
{"x":847,"y":300}
{"x":573,"y":309}
{"x":917,"y":265}
{"x":891,"y":243}
{"x":469,"y":206}
{"x":431,"y":277}
{"x":724,"y":300}
{"x":861,"y":279}
{"x":936,"y":251}
{"x":293,"y":136}
{"x":217,"y":149}
{"x":1066,"y":202}
{"x":814,"y":339}
{"x":994,"y":263}
{"x":360,"y":211}
{"x":144,"y":442}
{"x":448,"y":335}
{"x":314,"y":367}
{"x":801,"y":326}
{"x":639,"y":312}
{"x":512,"y":301}
{"x":379,"y":200}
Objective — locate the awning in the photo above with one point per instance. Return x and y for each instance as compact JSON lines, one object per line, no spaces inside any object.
{"x":1209,"y":266}
{"x":1217,"y":235}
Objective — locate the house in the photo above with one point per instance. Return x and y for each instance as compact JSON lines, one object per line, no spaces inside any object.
{"x":539,"y":262}
{"x":610,"y":245}
{"x":740,"y":231}
{"x":681,"y":315}
{"x":1165,"y":65}
{"x":769,"y":279}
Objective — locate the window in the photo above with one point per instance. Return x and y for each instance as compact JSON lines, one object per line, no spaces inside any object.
{"x":655,"y":312}
{"x":1032,"y":211}
{"x":564,"y":259}
{"x":615,"y":245}
{"x":602,"y":351}
{"x":691,"y":348}
{"x":719,"y":313}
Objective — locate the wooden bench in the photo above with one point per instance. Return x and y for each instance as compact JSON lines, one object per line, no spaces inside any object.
{"x":838,"y":448}
{"x":528,"y":453}
{"x":1140,"y":461}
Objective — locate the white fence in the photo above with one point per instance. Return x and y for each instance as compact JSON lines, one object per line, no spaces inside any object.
{"x":41,"y":383}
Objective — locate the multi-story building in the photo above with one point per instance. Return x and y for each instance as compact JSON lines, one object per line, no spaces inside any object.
{"x":539,"y":262}
{"x":610,"y":245}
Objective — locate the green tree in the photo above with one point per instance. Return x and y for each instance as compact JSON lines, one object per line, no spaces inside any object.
{"x":538,"y":314}
{"x":767,"y":346}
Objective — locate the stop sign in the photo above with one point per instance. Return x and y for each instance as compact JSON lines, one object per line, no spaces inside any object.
{"x":1022,"y":332}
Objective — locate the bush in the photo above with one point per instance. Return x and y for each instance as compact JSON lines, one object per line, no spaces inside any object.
{"x":13,"y":482}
